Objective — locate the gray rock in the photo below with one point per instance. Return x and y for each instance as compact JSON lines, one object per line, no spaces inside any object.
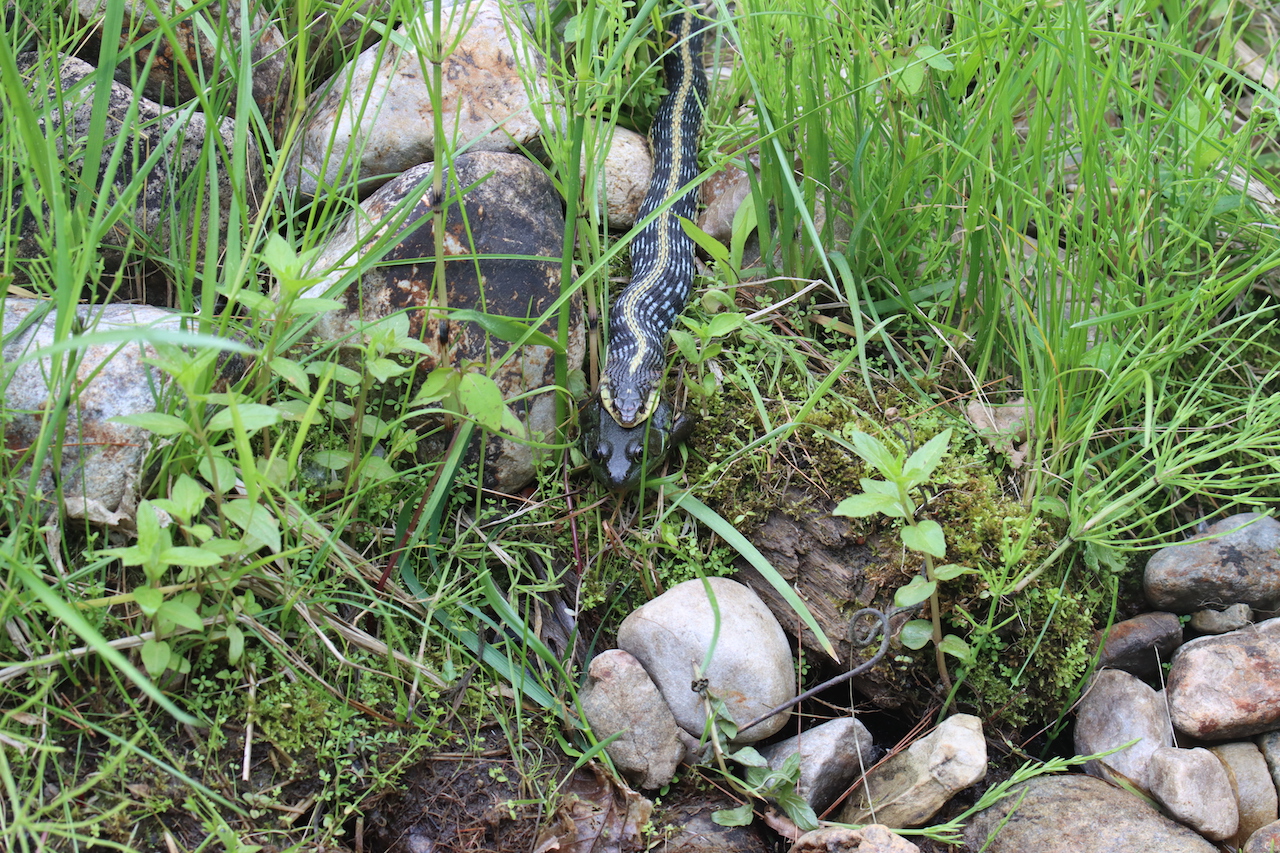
{"x":1194,"y":788}
{"x":1240,"y":564}
{"x":1269,"y":746}
{"x":1227,"y":686}
{"x":1251,"y":782}
{"x":1264,"y":840}
{"x":695,"y":831}
{"x":1232,"y":618}
{"x":1141,"y":644}
{"x":620,"y":698}
{"x":374,"y":119}
{"x":210,"y":37}
{"x":832,"y":755}
{"x":101,"y":461}
{"x":162,"y":215}
{"x":511,"y":210}
{"x":628,"y":169}
{"x":722,"y":194}
{"x":750,"y":670}
{"x":913,"y":785}
{"x":874,"y":838}
{"x":1116,"y":709}
{"x":1077,"y":814}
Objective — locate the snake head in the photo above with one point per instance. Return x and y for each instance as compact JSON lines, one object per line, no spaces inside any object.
{"x":628,"y":406}
{"x":620,"y":455}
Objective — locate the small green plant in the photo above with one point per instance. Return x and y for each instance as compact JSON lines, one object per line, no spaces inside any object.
{"x":777,"y":784}
{"x":699,"y":345}
{"x":892,"y":497}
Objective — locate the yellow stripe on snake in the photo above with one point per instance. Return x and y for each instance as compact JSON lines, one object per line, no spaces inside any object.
{"x":627,"y":428}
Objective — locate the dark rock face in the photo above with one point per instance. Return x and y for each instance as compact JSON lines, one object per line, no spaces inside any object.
{"x":160,"y":211}
{"x":509,"y":209}
{"x":1141,"y":644}
{"x":168,"y":82}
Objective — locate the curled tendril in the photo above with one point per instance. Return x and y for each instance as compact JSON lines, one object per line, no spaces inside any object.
{"x":880,"y":626}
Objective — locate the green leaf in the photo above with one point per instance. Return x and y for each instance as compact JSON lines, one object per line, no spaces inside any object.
{"x":724,"y":323}
{"x":256,"y":303}
{"x":861,"y":506}
{"x":280,"y":258}
{"x":218,"y":472}
{"x":875,"y":454}
{"x":252,"y":417}
{"x":181,"y":613}
{"x":155,"y":656}
{"x":440,"y":383}
{"x":383,"y":369}
{"x":185,"y":555}
{"x":923,"y":462}
{"x":148,"y":525}
{"x":916,"y":634}
{"x":797,"y":808}
{"x":506,"y":328}
{"x":153,"y":422}
{"x":260,"y":526}
{"x":713,"y":247}
{"x":149,"y":600}
{"x":574,"y":29}
{"x":235,"y":643}
{"x":188,"y":496}
{"x":741,"y":816}
{"x":744,"y":222}
{"x":880,"y":487}
{"x":687,"y":344}
{"x":907,"y":74}
{"x":913,"y":593}
{"x":332,"y":459}
{"x":290,"y":371}
{"x":344,"y":375}
{"x":482,"y":399}
{"x":951,"y":571}
{"x":376,"y":469}
{"x":934,"y":58}
{"x":927,"y":537}
{"x":957,"y":648}
{"x":749,"y":756}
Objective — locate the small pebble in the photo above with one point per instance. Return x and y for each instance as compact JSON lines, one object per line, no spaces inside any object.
{"x":1222,"y":621}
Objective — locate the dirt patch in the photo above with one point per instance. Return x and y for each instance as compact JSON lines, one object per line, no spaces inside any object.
{"x":454,"y":803}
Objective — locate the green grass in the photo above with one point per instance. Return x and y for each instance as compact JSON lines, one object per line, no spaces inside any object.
{"x":1064,"y":202}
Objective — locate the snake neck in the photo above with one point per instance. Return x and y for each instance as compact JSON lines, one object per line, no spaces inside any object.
{"x":661,"y":253}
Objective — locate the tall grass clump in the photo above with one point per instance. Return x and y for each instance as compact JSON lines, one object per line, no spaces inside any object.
{"x":1071,"y":197}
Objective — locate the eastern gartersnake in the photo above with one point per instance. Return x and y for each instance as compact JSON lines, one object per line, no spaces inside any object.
{"x":618,"y":424}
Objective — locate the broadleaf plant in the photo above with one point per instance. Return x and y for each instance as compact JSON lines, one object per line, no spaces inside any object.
{"x":891,"y":497}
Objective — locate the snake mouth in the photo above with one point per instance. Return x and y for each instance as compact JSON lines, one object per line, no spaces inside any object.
{"x":628,"y":408}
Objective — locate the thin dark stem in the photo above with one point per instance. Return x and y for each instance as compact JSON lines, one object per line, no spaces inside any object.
{"x":843,"y":677}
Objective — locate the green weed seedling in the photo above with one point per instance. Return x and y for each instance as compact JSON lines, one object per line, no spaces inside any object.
{"x":891,"y":496}
{"x":700,"y":344}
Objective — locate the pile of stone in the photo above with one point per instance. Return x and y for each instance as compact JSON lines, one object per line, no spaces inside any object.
{"x":1205,"y":734}
{"x":703,"y":642}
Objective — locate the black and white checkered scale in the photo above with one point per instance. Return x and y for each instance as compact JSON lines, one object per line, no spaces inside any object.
{"x":661,"y":253}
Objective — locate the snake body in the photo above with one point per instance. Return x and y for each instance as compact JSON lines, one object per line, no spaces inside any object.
{"x":662,"y":277}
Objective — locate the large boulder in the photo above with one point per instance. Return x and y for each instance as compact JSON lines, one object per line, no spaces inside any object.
{"x":387,"y":245}
{"x":375,"y":118}
{"x":160,"y":211}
